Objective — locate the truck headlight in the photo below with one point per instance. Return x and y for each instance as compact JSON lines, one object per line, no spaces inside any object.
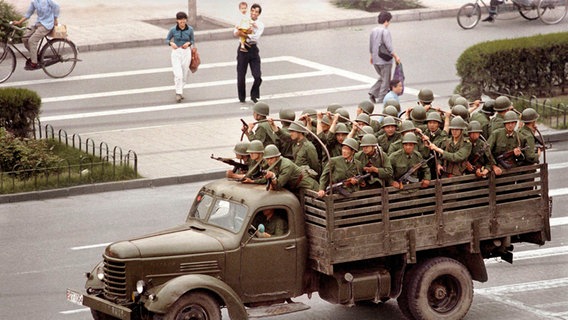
{"x":100,"y":273}
{"x":140,"y":286}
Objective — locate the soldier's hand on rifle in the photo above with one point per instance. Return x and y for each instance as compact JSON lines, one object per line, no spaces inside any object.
{"x":321,"y":193}
{"x":397,"y":185}
{"x":440,"y":169}
{"x":482,"y":173}
{"x":371,"y":169}
{"x":517,"y":151}
{"x":247,"y":180}
{"x":425,"y":183}
{"x":269,"y":175}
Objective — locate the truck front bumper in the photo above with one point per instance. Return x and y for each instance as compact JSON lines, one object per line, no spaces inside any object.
{"x":99,"y":304}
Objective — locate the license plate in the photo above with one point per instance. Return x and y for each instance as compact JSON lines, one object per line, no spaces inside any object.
{"x":74,"y":297}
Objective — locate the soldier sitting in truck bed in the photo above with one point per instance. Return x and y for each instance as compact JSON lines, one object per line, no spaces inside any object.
{"x":345,"y":168}
{"x":375,"y":161}
{"x":253,"y":175}
{"x":480,"y":161}
{"x":508,"y":147}
{"x":283,"y":173}
{"x":455,"y":151}
{"x":406,"y":160}
{"x":242,"y":155}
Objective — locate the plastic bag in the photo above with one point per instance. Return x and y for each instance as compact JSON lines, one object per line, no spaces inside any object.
{"x":399,"y":74}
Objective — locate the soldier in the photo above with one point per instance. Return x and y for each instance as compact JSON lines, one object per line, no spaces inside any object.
{"x":393,"y":103}
{"x":285,"y":144}
{"x":417,"y":115}
{"x":342,"y":168}
{"x":323,"y":133}
{"x":263,"y":132}
{"x":461,"y":111}
{"x":483,"y":116}
{"x":456,"y":150}
{"x":390,"y":134}
{"x":375,"y":162}
{"x":502,"y":105}
{"x":405,"y":159}
{"x":254,"y":173}
{"x":433,"y":133}
{"x":344,"y":117}
{"x":283,"y":173}
{"x":527,"y":132}
{"x":241,"y":154}
{"x":304,"y":152}
{"x":274,"y":224}
{"x":340,"y":133}
{"x":480,"y":161}
{"x":408,"y":127}
{"x":332,"y":108}
{"x":425,"y":98}
{"x":507,"y":146}
{"x":367,"y":107}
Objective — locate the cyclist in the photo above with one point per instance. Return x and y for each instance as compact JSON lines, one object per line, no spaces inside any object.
{"x":492,"y":10}
{"x":47,"y":12}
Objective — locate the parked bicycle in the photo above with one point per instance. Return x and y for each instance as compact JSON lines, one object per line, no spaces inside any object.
{"x":57,"y":57}
{"x":548,"y":11}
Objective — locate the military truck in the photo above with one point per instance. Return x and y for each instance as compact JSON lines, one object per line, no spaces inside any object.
{"x":421,"y":246}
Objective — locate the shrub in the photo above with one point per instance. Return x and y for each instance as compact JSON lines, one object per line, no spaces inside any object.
{"x":378,"y":5}
{"x":9,"y":13}
{"x":20,"y":107}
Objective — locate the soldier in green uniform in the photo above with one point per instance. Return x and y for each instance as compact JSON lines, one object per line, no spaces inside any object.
{"x":480,"y":161}
{"x":404,"y":159}
{"x":461,"y":111}
{"x":342,"y":168}
{"x":375,"y":161}
{"x":418,"y":117}
{"x":501,"y":106}
{"x":527,"y":132}
{"x":242,"y":155}
{"x":367,"y":107}
{"x":283,"y":173}
{"x":507,"y":145}
{"x":433,"y":133}
{"x":323,"y":132}
{"x":483,"y":116}
{"x":456,"y":150}
{"x":257,"y":164}
{"x":304,"y":152}
{"x":390,"y":134}
{"x":274,"y":224}
{"x":285,"y":144}
{"x":263,"y":131}
{"x":408,"y":127}
{"x":339,"y":134}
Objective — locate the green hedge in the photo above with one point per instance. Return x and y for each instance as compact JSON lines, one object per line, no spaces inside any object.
{"x":535,"y":65}
{"x":378,"y":5}
{"x":18,"y":109}
{"x":8,"y":12}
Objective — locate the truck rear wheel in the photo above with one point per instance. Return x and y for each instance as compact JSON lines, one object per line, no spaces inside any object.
{"x":440,"y":288}
{"x":194,"y":305}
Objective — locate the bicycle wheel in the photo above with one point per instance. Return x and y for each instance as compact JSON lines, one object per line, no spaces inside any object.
{"x":469,"y":15}
{"x":58,"y":58}
{"x":7,"y":62}
{"x":552,"y":11}
{"x":529,"y":13}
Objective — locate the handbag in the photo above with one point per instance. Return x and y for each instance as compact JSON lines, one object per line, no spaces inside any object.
{"x":195,"y":60}
{"x":399,"y":74}
{"x":383,"y":51}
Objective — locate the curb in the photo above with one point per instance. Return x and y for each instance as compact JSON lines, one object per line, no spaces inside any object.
{"x":226,"y":33}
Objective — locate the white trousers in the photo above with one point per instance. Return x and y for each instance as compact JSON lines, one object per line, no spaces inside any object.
{"x":180,"y":65}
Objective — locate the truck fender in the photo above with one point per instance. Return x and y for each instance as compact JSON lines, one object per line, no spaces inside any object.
{"x":172,"y":290}
{"x":476,"y":266}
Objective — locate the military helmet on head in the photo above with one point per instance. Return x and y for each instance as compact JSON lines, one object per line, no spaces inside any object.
{"x":367,"y":106}
{"x":343,"y":113}
{"x":391,"y":111}
{"x":271,"y":151}
{"x":392,"y":103}
{"x":407,"y":125}
{"x":351,"y":143}
{"x":241,"y":148}
{"x":287,"y":114}
{"x":325,"y":120}
{"x":474,"y":126}
{"x":388,"y":121}
{"x":458,"y":123}
{"x":460,"y":110}
{"x":529,"y":115}
{"x":452,"y":100}
{"x":261,"y":108}
{"x":369,"y":139}
{"x":434,"y":116}
{"x":418,"y":113}
{"x":341,"y":128}
{"x":510,"y":116}
{"x":365,"y":130}
{"x":461,"y":101}
{"x":297,"y":126}
{"x":409,"y":138}
{"x":363,"y":117}
{"x":426,"y":95}
{"x":333,"y":107}
{"x":488,"y":107}
{"x":255,"y":146}
{"x":502,"y":103}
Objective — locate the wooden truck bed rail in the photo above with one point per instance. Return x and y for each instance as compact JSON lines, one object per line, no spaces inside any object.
{"x":460,"y":210}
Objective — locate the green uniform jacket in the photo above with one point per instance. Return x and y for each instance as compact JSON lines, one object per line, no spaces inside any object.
{"x":285,"y":143}
{"x":496,"y":123}
{"x":531,"y":155}
{"x":291,"y":177}
{"x":480,"y":156}
{"x":499,"y":143}
{"x":340,"y":170}
{"x":255,"y":171}
{"x":305,"y":154}
{"x":385,"y":141}
{"x":438,"y":138}
{"x":379,"y":160}
{"x":485,"y":122}
{"x":263,"y":133}
{"x":420,"y":147}
{"x":276,"y":226}
{"x":402,"y":162}
{"x":455,"y":155}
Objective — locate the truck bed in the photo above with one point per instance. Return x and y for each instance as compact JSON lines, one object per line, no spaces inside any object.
{"x":460,"y":210}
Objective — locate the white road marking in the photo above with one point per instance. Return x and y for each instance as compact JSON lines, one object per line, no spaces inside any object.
{"x":533,"y":254}
{"x":558,"y":192}
{"x":560,"y":221}
{"x":555,"y":166}
{"x":75,"y":311}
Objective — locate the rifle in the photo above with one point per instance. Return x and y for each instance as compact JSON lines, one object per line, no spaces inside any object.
{"x":407,"y":176}
{"x":244,"y":128}
{"x":505,"y":159}
{"x":339,"y":185}
{"x":236,"y":165}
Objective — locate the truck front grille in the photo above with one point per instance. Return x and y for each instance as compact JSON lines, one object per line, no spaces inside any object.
{"x":115,"y":279}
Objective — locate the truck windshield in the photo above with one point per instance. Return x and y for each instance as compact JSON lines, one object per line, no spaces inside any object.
{"x":219,"y":212}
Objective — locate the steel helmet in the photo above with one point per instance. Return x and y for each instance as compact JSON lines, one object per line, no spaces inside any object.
{"x":365,"y":130}
{"x":351,"y":143}
{"x":474,"y":126}
{"x":458,"y":123}
{"x":333,"y":107}
{"x":297,"y":126}
{"x":271,"y":151}
{"x":287,"y":114}
{"x":312,"y":112}
{"x":502,"y":103}
{"x":241,"y":148}
{"x":393,"y":103}
{"x":391,"y":111}
{"x":434,"y":116}
{"x":407,"y":125}
{"x":369,"y":139}
{"x":510,"y":116}
{"x":363,"y":117}
{"x":388,"y":121}
{"x":418,"y":113}
{"x":529,"y":115}
{"x":409,"y":138}
{"x":461,"y":100}
{"x":426,"y":95}
{"x":261,"y":108}
{"x":367,"y":106}
{"x":460,"y":110}
{"x":344,"y":114}
{"x":325,"y":120}
{"x":488,"y":107}
{"x":341,"y":128}
{"x":255,"y":146}
{"x":452,"y":100}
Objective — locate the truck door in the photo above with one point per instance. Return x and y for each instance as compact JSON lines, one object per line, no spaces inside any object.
{"x":268,"y":265}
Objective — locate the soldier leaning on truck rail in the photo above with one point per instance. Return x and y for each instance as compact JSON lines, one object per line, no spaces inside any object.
{"x":527,"y":132}
{"x":404,"y":159}
{"x":480,"y":161}
{"x":283,"y":173}
{"x":254,"y":173}
{"x":263,"y":131}
{"x":342,"y":168}
{"x":242,"y":155}
{"x":375,"y":161}
{"x":455,"y":151}
{"x":508,"y":147}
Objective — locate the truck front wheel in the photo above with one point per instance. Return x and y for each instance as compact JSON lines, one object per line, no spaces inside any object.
{"x":440,"y":288}
{"x":194,"y":305}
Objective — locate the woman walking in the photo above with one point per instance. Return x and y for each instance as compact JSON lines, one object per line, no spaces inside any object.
{"x":180,"y":38}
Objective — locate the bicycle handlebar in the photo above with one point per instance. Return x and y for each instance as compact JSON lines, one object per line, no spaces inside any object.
{"x":10,"y":24}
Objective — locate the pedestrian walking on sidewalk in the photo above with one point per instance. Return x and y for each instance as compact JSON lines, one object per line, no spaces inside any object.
{"x":381,"y":59}
{"x":250,"y":56}
{"x":180,"y":38}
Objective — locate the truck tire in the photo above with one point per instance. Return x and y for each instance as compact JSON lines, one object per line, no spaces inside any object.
{"x":97,"y":315}
{"x":402,"y":299}
{"x":440,"y":288}
{"x":194,"y":305}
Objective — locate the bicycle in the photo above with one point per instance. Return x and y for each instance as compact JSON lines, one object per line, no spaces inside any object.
{"x":57,"y":57}
{"x":548,"y":11}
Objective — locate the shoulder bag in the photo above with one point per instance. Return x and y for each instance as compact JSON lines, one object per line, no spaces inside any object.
{"x":383,"y":51}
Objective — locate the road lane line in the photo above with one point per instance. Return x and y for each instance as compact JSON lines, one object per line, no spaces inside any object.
{"x":533,"y":254}
{"x":555,"y":166}
{"x":75,"y":311}
{"x":558,"y":192}
{"x":560,"y":221}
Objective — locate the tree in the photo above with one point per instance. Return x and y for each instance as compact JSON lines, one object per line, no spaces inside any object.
{"x":19,"y":109}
